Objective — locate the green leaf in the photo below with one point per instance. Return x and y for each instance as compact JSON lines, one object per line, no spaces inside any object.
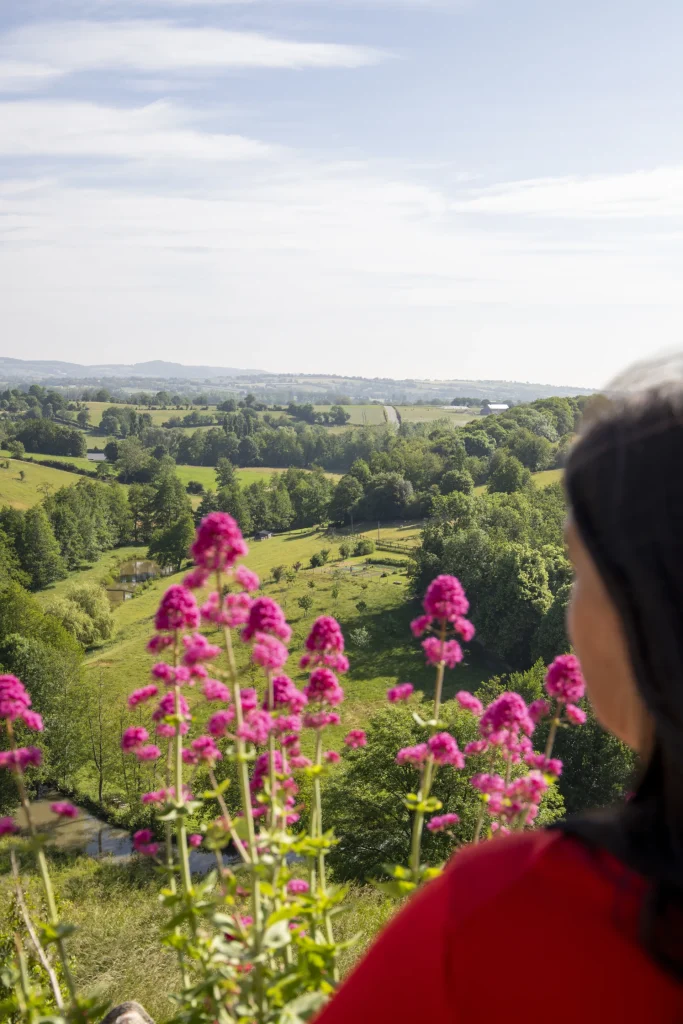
{"x":397,"y":889}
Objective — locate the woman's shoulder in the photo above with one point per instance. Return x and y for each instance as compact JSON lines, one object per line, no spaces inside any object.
{"x":533,"y":866}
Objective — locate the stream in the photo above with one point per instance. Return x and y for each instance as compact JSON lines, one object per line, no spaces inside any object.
{"x":90,"y":835}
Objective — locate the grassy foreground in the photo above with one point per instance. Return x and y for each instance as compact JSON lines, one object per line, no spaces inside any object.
{"x":38,"y":481}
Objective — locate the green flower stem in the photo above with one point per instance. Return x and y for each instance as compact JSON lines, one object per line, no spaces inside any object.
{"x":24,"y":994}
{"x":33,"y":935}
{"x":271,"y":756}
{"x":42,"y":867}
{"x":440,"y":671}
{"x":239,"y":845}
{"x":553,"y":729}
{"x":317,"y":833}
{"x":245,"y":793}
{"x":183,"y":853}
{"x":418,"y":820}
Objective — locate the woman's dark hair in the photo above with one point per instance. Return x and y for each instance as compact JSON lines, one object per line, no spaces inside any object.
{"x":624,"y":481}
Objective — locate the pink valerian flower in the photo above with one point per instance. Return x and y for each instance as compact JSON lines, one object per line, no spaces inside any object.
{"x":576,"y":715}
{"x":189,"y":756}
{"x":401,"y":692}
{"x":266,"y":616}
{"x":325,"y":646}
{"x":323,"y":687}
{"x":436,"y":651}
{"x":528,"y":789}
{"x":215,"y":690}
{"x":487,"y":783}
{"x":547,"y":765}
{"x":64,"y":809}
{"x":497,"y":827}
{"x":143,"y":844}
{"x":133,"y":738}
{"x":262,"y":769}
{"x":331,"y":756}
{"x":288,"y":724}
{"x":166,"y":707}
{"x":320,"y":719}
{"x":291,"y":743}
{"x":475,"y":747}
{"x":444,"y":749}
{"x":195,"y":840}
{"x":256,"y":728}
{"x":420,"y":625}
{"x":142,"y":695}
{"x":356,"y":738}
{"x":297,"y":887}
{"x":247,"y":579}
{"x":14,"y":698}
{"x":148,"y":753}
{"x":177,"y":610}
{"x":8,"y":826}
{"x":564,"y":680}
{"x":167,"y":730}
{"x":158,"y":643}
{"x":195,"y":578}
{"x":248,"y":699}
{"x":298,"y":761}
{"x":469,"y":702}
{"x":269,"y":653}
{"x":445,"y":599}
{"x":233,"y":611}
{"x":416,"y":755}
{"x":538,"y":709}
{"x":506,"y":712}
{"x":157,"y":797}
{"x":286,"y":695}
{"x":218,"y":543}
{"x":441,"y":822}
{"x":218,"y":723}
{"x":21,"y":758}
{"x":32,"y":720}
{"x":198,"y":648}
{"x":206,"y":750}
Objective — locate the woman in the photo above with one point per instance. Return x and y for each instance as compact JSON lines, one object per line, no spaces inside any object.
{"x":583,"y":922}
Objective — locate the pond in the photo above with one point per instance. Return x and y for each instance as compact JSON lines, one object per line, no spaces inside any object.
{"x":94,"y":837}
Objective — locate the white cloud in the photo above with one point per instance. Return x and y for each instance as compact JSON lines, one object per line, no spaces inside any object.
{"x":158,"y":131}
{"x":24,"y":76}
{"x":66,"y":47}
{"x":651,"y":193}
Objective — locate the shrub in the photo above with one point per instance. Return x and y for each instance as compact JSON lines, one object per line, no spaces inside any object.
{"x":365,"y":546}
{"x":194,"y":487}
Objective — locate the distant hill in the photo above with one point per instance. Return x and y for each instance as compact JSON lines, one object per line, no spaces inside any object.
{"x":158,"y":374}
{"x":155,"y":368}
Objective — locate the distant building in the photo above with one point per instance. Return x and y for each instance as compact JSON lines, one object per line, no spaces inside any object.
{"x":263,"y":535}
{"x":494,"y":407}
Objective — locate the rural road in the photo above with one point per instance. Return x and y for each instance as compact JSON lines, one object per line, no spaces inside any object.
{"x":392,"y":415}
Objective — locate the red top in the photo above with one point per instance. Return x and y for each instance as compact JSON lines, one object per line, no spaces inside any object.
{"x":534,"y":927}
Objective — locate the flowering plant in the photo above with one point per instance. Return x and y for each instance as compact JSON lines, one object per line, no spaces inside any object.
{"x":255,"y":937}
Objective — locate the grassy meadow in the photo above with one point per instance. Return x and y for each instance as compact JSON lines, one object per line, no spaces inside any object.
{"x":206,"y":475}
{"x":38,"y":481}
{"x":429,"y":413}
{"x":361,"y":415}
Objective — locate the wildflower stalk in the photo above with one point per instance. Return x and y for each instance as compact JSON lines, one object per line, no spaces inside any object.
{"x":271,"y":755}
{"x":170,"y":866}
{"x":53,"y":916}
{"x":33,"y":935}
{"x":24,"y":994}
{"x":239,"y":845}
{"x":555,"y":722}
{"x":317,"y":833}
{"x":245,"y":793}
{"x":179,"y":794}
{"x":428,"y":771}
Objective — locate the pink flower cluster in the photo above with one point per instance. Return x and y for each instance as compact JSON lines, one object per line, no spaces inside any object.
{"x":232,"y":611}
{"x":15,"y":703}
{"x":64,"y":809}
{"x":355,"y":738}
{"x":325,"y":646}
{"x":20,"y":759}
{"x":323,"y":687}
{"x":445,"y":601}
{"x":469,"y":702}
{"x":440,"y":822}
{"x":564,"y":680}
{"x":400,"y":692}
{"x":501,"y":724}
{"x":218,"y":543}
{"x":143,"y":843}
{"x":266,"y":616}
{"x":177,"y":610}
{"x":134,"y":740}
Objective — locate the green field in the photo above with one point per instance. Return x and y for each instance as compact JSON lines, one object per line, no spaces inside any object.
{"x":159,"y":416}
{"x":429,"y":413}
{"x":81,"y":463}
{"x":27,"y":492}
{"x":361,"y":415}
{"x":206,"y":475}
{"x":542,"y":479}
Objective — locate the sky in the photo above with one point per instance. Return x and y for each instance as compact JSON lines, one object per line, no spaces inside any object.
{"x":398,"y":188}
